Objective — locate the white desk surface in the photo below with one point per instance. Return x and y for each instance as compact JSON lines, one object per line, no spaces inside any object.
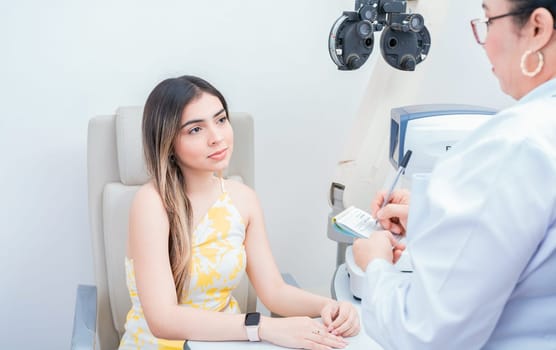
{"x":341,"y":289}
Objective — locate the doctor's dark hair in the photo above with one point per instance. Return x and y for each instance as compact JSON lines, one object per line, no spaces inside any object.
{"x":526,"y":7}
{"x":161,"y":125}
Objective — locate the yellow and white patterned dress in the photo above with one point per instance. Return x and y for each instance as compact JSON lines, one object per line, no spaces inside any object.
{"x":217,"y":266}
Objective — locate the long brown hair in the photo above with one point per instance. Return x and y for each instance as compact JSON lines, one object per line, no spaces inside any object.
{"x":161,"y":124}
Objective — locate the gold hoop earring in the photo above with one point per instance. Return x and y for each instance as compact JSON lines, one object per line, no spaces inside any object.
{"x":537,"y":70}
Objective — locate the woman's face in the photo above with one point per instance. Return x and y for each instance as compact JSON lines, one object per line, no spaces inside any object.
{"x":205,"y":140}
{"x":504,"y":47}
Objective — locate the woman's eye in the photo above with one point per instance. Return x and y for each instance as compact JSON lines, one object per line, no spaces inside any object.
{"x":195,"y":130}
{"x":222,"y":120}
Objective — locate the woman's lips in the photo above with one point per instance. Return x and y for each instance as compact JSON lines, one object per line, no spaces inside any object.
{"x":219,"y":155}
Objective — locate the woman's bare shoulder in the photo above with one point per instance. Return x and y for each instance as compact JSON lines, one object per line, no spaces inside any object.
{"x":148,"y":189}
{"x":147,"y":200}
{"x":237,"y":188}
{"x":243,"y":197}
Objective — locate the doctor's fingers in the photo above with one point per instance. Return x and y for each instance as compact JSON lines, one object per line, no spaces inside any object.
{"x":398,"y":196}
{"x":393,"y":225}
{"x":395,"y":241}
{"x":376,"y":203}
{"x":398,"y":254}
{"x":393,"y":215}
{"x":392,"y":210}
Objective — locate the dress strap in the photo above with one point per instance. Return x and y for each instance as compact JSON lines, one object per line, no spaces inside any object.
{"x":222,"y":184}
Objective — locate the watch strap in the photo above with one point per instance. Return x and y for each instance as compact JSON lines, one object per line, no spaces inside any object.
{"x":252,"y":321}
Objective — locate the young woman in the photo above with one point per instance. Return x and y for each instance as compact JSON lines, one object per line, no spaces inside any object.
{"x":192,"y":235}
{"x":484,"y":249}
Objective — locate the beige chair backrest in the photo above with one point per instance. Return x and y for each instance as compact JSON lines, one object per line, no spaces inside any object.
{"x":116,"y":169}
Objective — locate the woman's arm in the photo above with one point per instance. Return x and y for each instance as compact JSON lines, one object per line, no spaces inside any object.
{"x":276,"y":295}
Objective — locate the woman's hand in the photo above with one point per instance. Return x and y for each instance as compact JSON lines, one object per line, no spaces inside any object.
{"x":341,"y":318}
{"x":299,"y":333}
{"x":393,"y":217}
{"x":380,"y":245}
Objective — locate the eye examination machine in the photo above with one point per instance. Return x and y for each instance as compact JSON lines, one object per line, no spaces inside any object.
{"x":404,"y":43}
{"x":429,"y":131}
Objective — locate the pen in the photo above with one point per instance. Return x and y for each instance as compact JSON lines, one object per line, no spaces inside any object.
{"x":401,"y":169}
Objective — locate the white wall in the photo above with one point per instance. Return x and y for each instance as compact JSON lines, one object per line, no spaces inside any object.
{"x":63,"y":61}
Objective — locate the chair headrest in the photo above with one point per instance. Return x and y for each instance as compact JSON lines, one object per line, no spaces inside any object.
{"x":131,"y":160}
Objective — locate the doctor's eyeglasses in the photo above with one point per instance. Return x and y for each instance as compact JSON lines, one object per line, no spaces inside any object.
{"x":480,"y":26}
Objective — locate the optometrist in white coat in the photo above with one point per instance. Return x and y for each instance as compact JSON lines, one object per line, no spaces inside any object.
{"x":482,"y":234}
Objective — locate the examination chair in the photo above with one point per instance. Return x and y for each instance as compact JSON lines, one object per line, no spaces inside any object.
{"x":116,"y":169}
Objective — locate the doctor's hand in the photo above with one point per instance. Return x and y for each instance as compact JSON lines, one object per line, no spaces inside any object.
{"x":393,"y":217}
{"x":380,"y":245}
{"x":341,"y":318}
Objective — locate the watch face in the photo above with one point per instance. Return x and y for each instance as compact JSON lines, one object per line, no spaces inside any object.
{"x":252,"y":319}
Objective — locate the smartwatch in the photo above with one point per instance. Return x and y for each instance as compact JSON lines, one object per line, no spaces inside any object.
{"x":252,"y":320}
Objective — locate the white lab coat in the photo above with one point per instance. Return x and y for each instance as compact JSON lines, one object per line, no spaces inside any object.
{"x":484,"y":245}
